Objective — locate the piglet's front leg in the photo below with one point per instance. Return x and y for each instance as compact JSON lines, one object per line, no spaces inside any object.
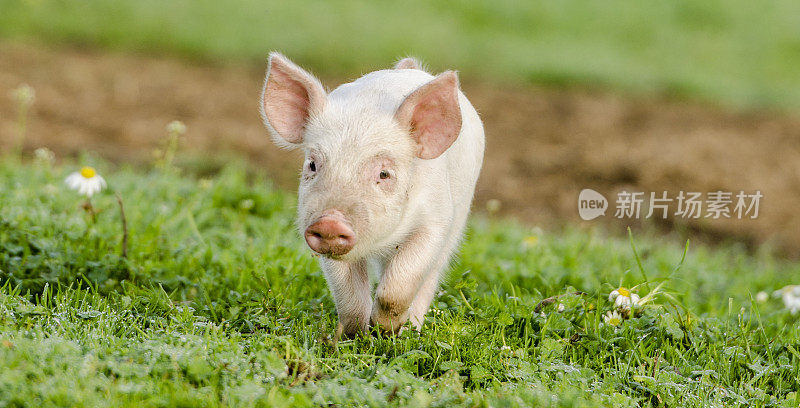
{"x":404,"y":273}
{"x":349,"y":283}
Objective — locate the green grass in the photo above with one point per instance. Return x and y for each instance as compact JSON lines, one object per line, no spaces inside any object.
{"x":732,"y":52}
{"x":220,"y":304}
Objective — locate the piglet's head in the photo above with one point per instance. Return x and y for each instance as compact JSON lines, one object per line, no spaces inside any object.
{"x":359,"y":173}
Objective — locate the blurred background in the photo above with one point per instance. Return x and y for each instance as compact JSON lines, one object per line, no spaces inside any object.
{"x":647,"y":96}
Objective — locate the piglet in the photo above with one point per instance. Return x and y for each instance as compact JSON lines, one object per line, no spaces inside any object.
{"x":391,"y":162}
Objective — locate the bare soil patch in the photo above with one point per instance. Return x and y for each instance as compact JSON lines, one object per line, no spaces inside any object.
{"x":543,"y":145}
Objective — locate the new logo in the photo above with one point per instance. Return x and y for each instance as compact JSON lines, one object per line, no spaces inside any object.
{"x":591,"y":204}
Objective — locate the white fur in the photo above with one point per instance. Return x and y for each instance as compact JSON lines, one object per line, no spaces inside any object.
{"x":411,"y":230}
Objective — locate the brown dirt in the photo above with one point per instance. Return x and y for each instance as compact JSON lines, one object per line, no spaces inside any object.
{"x":543,"y":145}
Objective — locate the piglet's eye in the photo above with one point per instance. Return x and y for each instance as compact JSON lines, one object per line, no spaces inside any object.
{"x":312,"y":166}
{"x":384,"y":175}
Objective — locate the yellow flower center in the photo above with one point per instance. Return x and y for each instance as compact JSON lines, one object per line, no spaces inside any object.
{"x":88,"y":172}
{"x":614,"y":321}
{"x":624,"y":291}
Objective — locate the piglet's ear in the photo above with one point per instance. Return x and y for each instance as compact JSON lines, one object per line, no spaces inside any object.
{"x":432,"y":115}
{"x":289,"y":97}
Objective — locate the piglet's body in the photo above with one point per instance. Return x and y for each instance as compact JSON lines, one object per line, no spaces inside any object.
{"x":391,"y":165}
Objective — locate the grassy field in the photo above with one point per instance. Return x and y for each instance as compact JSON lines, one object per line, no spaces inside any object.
{"x":733,"y":52}
{"x":219,"y":303}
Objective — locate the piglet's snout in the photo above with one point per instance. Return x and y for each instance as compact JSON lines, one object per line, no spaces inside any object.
{"x":330,"y":234}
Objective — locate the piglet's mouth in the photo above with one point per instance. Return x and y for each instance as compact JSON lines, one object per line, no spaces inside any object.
{"x":330,"y":235}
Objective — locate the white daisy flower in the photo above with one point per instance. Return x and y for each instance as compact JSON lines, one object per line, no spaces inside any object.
{"x":623,"y":298}
{"x":44,"y":155}
{"x":762,"y":297}
{"x":176,"y":127}
{"x":613,"y":318}
{"x":790,"y":296}
{"x":86,"y":181}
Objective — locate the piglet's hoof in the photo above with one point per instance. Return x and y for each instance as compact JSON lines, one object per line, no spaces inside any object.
{"x":386,"y":326}
{"x":343,"y":333}
{"x":383,"y":332}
